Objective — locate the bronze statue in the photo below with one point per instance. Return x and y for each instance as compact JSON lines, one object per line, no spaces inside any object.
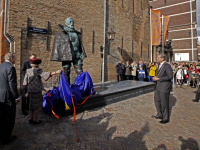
{"x":68,"y":48}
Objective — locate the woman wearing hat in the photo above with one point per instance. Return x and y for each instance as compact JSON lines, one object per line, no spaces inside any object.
{"x":35,"y":87}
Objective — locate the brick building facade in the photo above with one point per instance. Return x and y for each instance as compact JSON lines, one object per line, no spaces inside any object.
{"x":129,"y":19}
{"x":179,"y":29}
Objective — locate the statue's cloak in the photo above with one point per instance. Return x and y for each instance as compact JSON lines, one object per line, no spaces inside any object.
{"x":62,"y":47}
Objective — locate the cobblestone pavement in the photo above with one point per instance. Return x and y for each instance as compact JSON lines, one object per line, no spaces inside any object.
{"x":126,"y":125}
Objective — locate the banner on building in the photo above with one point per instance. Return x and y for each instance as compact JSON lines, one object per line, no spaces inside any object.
{"x":165,"y":26}
{"x":155,"y":27}
{"x":181,"y":56}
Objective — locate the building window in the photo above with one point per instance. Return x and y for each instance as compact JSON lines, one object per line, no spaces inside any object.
{"x":133,"y":6}
{"x":122,"y":3}
{"x":141,"y":49}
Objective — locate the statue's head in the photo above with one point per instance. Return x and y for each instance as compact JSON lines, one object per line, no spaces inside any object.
{"x":69,"y":22}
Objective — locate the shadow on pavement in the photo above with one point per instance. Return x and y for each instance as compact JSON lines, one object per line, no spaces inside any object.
{"x":188,"y":144}
{"x":93,"y":132}
{"x":172,"y":103}
{"x":161,"y":147}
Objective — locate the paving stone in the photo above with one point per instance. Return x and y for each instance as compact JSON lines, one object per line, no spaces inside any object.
{"x":124,"y":125}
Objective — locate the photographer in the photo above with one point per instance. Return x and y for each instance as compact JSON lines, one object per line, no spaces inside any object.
{"x":152,"y":71}
{"x":119,"y":69}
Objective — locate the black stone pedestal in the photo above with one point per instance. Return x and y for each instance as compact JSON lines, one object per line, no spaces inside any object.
{"x":108,"y":93}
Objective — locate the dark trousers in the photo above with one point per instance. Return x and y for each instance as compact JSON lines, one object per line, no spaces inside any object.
{"x":7,"y":120}
{"x":198,"y":94}
{"x":25,"y":101}
{"x":134,"y":77}
{"x":141,"y":79}
{"x":119,"y":74}
{"x":127,"y":77}
{"x":162,"y":104}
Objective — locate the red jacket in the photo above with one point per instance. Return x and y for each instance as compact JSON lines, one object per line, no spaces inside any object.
{"x":196,"y":70}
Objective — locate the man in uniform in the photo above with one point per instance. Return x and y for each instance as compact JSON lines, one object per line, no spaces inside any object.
{"x":68,"y":48}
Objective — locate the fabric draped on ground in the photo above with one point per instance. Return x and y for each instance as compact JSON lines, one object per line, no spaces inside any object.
{"x":82,"y":87}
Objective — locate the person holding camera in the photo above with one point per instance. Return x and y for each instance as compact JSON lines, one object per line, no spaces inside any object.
{"x":119,"y":69}
{"x":152,"y":71}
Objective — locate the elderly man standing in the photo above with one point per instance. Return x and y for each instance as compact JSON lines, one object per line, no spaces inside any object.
{"x":25,"y":100}
{"x":163,"y":78}
{"x":9,"y":97}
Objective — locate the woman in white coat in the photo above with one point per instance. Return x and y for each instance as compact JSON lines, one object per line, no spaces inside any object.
{"x":180,"y":74}
{"x":133,"y":70}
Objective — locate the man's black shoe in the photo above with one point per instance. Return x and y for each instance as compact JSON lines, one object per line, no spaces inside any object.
{"x":12,"y":138}
{"x":157,"y":117}
{"x":24,"y":113}
{"x":164,"y":121}
{"x":195,"y":100}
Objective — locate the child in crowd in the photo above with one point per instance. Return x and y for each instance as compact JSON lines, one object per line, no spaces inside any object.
{"x":141,"y":74}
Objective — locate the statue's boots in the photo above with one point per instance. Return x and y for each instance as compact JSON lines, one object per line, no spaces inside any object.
{"x":78,"y":69}
{"x":67,"y":73}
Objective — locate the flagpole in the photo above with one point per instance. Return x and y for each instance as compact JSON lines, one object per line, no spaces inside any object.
{"x":104,"y":42}
{"x":191,"y":30}
{"x":151,"y":37}
{"x":162,"y":34}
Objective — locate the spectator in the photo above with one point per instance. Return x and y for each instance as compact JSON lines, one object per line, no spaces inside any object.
{"x":141,"y":74}
{"x":172,"y":64}
{"x":175,"y":68}
{"x":186,"y":76}
{"x":147,"y":69}
{"x":141,"y":64}
{"x":119,"y":69}
{"x":152,"y":71}
{"x":35,"y":87}
{"x":193,"y":68}
{"x":134,"y":70}
{"x":127,"y":70}
{"x":180,"y":75}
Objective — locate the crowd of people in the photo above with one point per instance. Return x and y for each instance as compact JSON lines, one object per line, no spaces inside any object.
{"x":184,"y":72}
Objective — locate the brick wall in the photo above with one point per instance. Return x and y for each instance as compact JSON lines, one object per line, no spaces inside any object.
{"x":130,"y":23}
{"x":179,"y":20}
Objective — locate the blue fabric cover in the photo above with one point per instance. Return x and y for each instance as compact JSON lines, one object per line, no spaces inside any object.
{"x":83,"y":86}
{"x":46,"y":105}
{"x":65,"y":90}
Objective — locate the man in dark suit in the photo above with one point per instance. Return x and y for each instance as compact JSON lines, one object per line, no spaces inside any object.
{"x":8,"y":98}
{"x":25,"y":100}
{"x":163,"y":78}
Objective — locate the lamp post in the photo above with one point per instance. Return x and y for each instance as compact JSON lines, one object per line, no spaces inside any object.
{"x":111,"y":37}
